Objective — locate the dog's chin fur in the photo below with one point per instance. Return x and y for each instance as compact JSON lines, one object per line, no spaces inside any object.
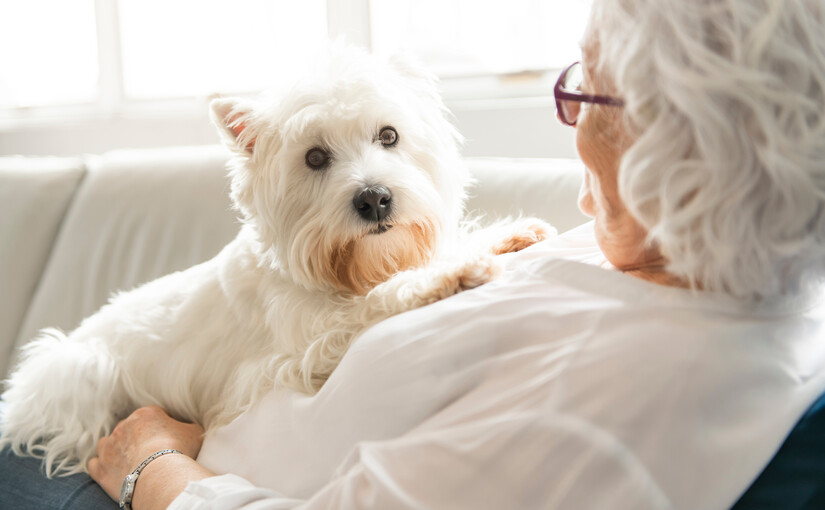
{"x":358,"y":265}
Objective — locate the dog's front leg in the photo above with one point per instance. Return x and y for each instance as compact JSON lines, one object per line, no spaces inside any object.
{"x":419,"y":287}
{"x":509,"y":235}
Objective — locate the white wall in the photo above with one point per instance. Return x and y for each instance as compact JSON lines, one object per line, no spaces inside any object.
{"x":524,"y":127}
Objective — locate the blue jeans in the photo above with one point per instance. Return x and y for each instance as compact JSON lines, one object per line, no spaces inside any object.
{"x":23,"y":486}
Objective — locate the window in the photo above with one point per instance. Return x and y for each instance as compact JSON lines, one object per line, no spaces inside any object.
{"x":463,"y":38}
{"x":189,"y":48}
{"x":49,"y":53}
{"x":97,"y":72}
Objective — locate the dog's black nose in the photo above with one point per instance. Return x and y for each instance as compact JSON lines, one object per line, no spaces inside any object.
{"x":373,"y":203}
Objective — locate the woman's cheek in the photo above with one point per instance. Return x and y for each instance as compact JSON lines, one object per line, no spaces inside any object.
{"x":586,"y":205}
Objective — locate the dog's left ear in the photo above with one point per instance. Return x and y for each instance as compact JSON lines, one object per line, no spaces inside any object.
{"x":235,"y":123}
{"x":408,"y":65}
{"x":425,"y":84}
{"x":418,"y":77}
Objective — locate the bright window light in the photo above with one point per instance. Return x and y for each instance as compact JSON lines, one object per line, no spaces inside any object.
{"x":184,"y":48}
{"x":458,"y":38}
{"x":49,"y":53}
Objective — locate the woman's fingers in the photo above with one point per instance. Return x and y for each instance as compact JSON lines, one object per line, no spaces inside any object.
{"x":142,"y":433}
{"x":104,"y":477}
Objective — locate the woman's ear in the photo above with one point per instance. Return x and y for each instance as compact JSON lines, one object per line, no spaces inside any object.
{"x":235,"y":122}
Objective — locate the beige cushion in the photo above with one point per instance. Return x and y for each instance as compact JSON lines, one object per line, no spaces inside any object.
{"x":34,"y":195}
{"x":144,"y":213}
{"x":545,"y":188}
{"x":138,"y":215}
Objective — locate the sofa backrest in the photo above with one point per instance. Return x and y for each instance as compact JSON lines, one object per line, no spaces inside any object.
{"x":139,"y":214}
{"x":136,"y":216}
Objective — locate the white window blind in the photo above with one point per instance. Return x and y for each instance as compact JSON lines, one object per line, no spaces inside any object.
{"x":91,"y":75}
{"x":48,"y":53}
{"x":184,"y":48}
{"x":460,"y":38}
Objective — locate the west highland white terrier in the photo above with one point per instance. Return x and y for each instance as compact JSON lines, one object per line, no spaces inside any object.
{"x":351,"y":192}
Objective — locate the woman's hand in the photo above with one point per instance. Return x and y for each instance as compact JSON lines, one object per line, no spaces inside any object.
{"x":144,"y":432}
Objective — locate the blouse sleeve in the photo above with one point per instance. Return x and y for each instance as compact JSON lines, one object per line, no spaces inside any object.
{"x":518,"y":461}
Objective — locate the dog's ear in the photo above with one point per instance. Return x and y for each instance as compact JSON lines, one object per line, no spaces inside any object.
{"x":425,"y":84}
{"x":418,"y":78}
{"x":235,"y":123}
{"x":408,"y":65}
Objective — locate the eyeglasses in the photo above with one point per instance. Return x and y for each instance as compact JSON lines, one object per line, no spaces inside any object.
{"x":569,"y":96}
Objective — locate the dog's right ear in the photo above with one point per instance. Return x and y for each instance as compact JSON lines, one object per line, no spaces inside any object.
{"x":235,"y":123}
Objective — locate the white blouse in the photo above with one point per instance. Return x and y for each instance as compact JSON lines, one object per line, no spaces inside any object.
{"x":560,"y":385}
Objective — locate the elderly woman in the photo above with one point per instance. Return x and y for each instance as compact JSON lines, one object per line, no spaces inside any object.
{"x":655,"y":358}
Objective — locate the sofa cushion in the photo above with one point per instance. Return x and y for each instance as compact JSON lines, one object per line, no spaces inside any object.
{"x":34,"y":193}
{"x":545,"y":188}
{"x":138,"y":215}
{"x":141,"y":214}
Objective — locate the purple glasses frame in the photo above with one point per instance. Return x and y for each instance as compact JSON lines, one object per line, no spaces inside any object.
{"x":563,"y":94}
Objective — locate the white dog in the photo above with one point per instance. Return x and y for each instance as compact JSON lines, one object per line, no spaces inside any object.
{"x":351,"y":191}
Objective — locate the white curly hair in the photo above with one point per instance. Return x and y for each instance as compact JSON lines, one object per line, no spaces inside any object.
{"x":725,"y":101}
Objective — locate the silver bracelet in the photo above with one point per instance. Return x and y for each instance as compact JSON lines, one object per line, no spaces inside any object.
{"x":128,"y":488}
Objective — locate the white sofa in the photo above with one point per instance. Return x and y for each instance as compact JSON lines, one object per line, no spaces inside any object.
{"x":74,"y":230}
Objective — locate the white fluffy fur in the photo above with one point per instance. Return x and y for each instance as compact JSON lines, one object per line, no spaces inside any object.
{"x":726,"y":99}
{"x":281,"y":303}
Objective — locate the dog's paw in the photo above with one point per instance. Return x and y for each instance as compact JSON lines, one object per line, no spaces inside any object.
{"x":415,"y":288}
{"x":477,"y":272}
{"x":525,"y":232}
{"x":455,"y":278}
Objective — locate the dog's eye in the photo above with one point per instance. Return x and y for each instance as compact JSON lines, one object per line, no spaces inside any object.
{"x":388,"y":136}
{"x":317,"y":159}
